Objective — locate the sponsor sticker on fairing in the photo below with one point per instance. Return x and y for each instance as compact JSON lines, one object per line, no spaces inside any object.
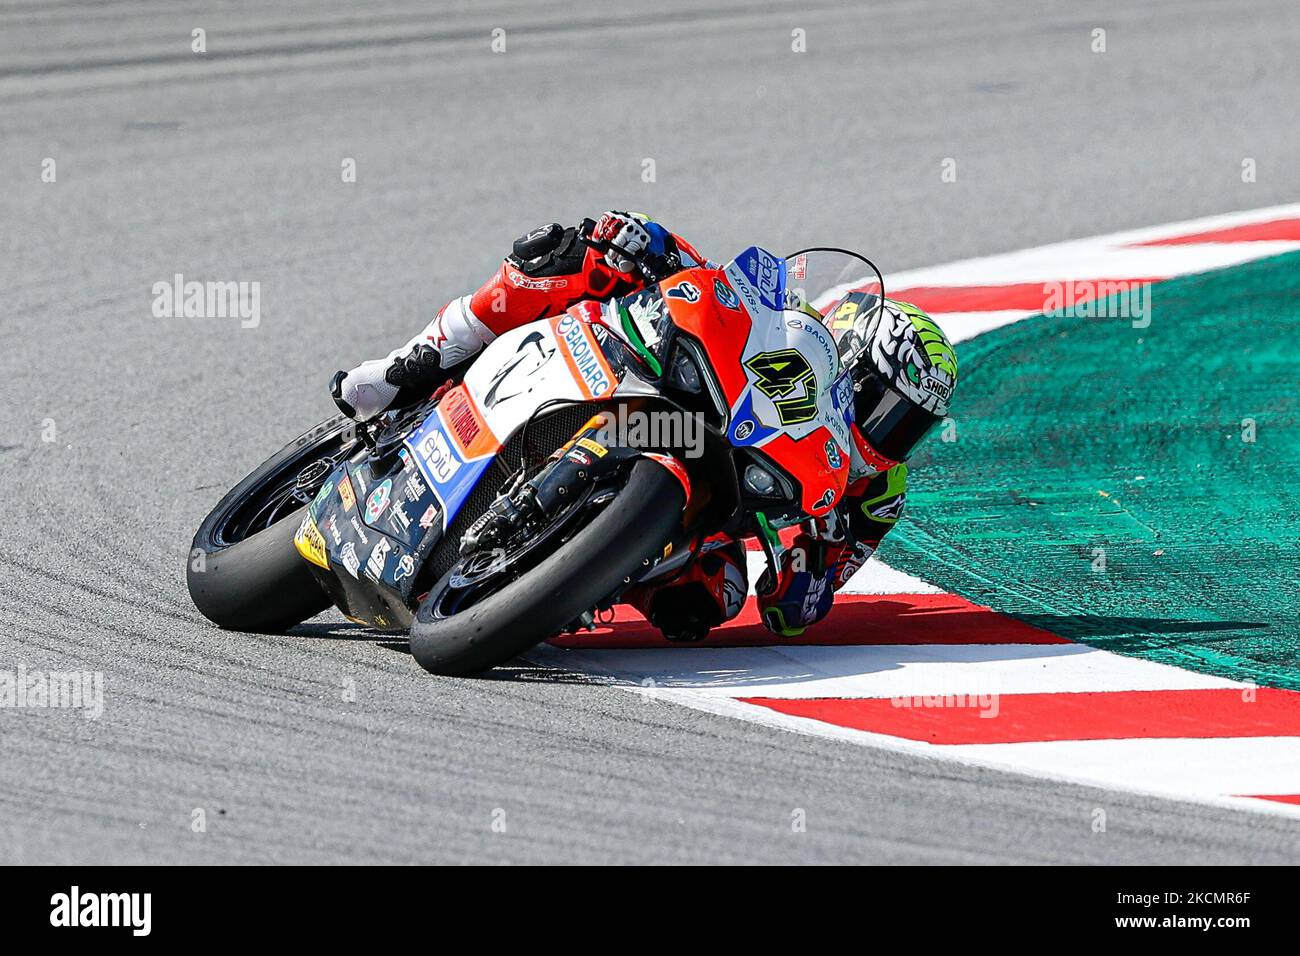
{"x":346,"y":494}
{"x":686,"y":291}
{"x":766,"y":273}
{"x":349,"y":558}
{"x":378,"y":559}
{"x":324,"y":493}
{"x":398,"y":519}
{"x":585,"y":359}
{"x":429,"y":517}
{"x":309,"y":542}
{"x":378,"y":500}
{"x":458,"y":412}
{"x":842,"y":391}
{"x":643,"y":311}
{"x":359,"y":529}
{"x":435,"y":451}
{"x":725,"y":295}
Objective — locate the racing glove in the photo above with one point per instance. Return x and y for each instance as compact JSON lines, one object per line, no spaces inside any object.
{"x":627,"y":237}
{"x":820,"y":563}
{"x":811,"y":572}
{"x":801,"y":598}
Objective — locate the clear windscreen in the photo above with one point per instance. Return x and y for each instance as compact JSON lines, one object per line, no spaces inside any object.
{"x":843,"y":289}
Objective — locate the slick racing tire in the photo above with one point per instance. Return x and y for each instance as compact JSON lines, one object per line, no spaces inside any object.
{"x":260,"y":584}
{"x":244,"y":573}
{"x":586,"y":570}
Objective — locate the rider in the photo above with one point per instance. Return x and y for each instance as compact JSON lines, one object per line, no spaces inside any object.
{"x":903,"y":370}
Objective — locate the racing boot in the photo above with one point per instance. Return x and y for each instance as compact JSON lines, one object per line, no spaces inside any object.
{"x":411,"y":373}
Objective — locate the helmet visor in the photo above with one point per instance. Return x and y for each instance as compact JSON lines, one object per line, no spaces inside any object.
{"x":892,"y":424}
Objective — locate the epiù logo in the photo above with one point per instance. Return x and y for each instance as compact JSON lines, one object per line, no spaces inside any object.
{"x":102,"y":909}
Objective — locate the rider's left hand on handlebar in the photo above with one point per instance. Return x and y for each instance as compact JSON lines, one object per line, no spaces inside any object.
{"x":626,"y":238}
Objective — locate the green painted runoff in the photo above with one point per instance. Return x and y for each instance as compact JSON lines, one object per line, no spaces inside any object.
{"x":1136,"y":489}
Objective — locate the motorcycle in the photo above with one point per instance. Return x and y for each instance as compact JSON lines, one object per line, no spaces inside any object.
{"x":531,"y":492}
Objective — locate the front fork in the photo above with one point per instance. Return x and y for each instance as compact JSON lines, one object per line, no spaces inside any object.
{"x":774,"y":552}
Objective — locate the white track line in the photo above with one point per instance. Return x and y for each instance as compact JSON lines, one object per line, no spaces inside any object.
{"x":883,"y":671}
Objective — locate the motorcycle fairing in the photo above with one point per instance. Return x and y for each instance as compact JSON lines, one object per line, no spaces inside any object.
{"x":451,"y":460}
{"x":552,"y":360}
{"x":582,"y":352}
{"x":723,"y":332}
{"x":765,"y":274}
{"x":793,"y":385}
{"x":746,"y":429}
{"x":371,"y":544}
{"x":377,"y":529}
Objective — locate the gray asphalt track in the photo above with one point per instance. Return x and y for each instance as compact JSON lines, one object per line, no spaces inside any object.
{"x":119,"y":430}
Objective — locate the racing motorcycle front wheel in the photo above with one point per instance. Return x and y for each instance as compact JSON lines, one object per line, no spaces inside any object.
{"x":244,"y":572}
{"x":583,"y":572}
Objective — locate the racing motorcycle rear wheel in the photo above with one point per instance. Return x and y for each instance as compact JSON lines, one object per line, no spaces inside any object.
{"x":244,"y":573}
{"x":632,"y":529}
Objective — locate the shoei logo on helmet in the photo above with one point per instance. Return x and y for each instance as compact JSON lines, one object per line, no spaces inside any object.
{"x":915,"y":356}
